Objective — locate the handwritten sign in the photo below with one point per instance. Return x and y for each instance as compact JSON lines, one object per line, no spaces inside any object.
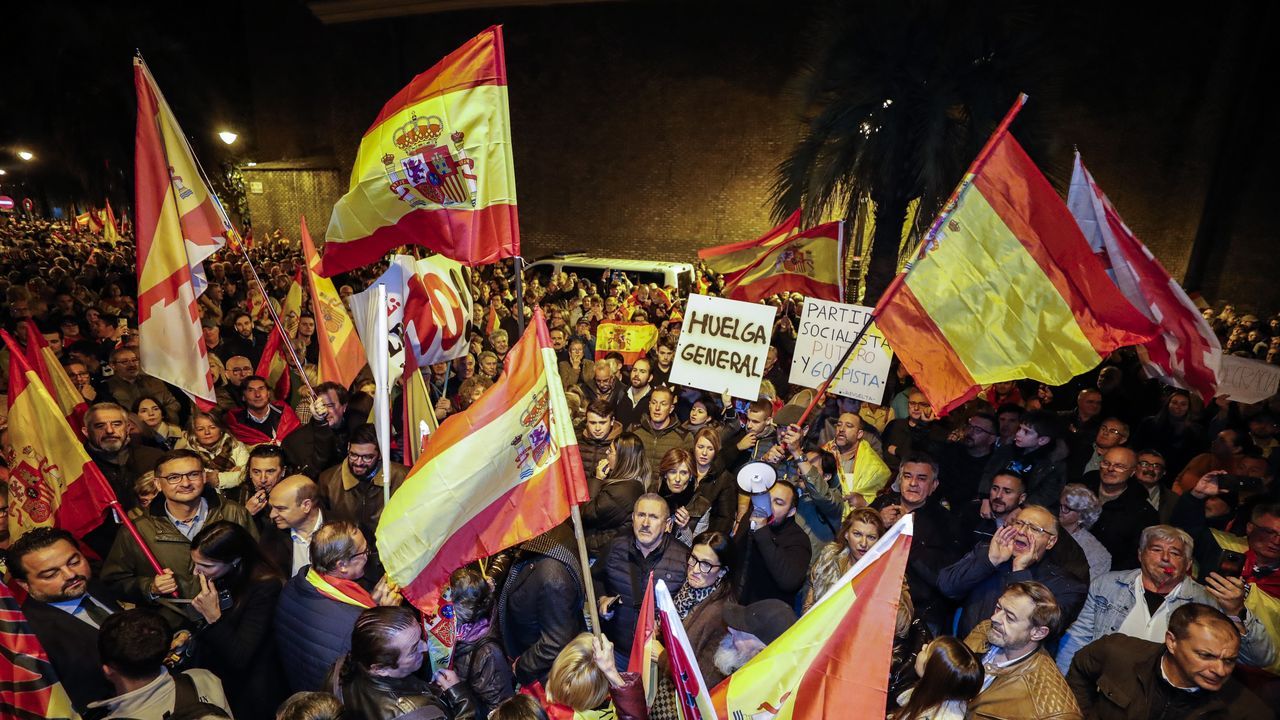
{"x":1247,"y":381}
{"x":826,"y":329}
{"x":722,"y":345}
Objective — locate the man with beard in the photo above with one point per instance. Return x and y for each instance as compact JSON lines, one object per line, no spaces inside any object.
{"x":353,"y":488}
{"x":128,"y":384}
{"x":635,"y":401}
{"x":65,"y":605}
{"x":1020,"y":681}
{"x":659,"y":430}
{"x":862,"y":472}
{"x":265,"y":470}
{"x":109,"y":445}
{"x":775,"y":549}
{"x":1139,"y":603}
{"x":962,"y":460}
{"x":603,"y":385}
{"x":246,"y":341}
{"x":1125,"y":508}
{"x":751,"y":628}
{"x":1016,"y":553}
{"x":1188,"y":676}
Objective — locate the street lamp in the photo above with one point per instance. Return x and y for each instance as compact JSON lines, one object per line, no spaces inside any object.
{"x":228,"y":137}
{"x":3,"y":171}
{"x":25,"y":155}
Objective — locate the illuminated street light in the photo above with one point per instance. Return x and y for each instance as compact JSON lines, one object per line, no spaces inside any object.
{"x":3,"y":171}
{"x":228,"y":137}
{"x":25,"y":155}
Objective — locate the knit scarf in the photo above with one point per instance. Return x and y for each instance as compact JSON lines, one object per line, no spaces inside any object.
{"x":690,"y":597}
{"x":217,"y":457}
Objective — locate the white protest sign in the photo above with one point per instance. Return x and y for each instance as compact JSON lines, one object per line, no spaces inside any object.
{"x":826,"y":329}
{"x":1247,"y":381}
{"x":723,"y":345}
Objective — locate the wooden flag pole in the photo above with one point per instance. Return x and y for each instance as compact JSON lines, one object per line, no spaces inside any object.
{"x":592,"y":611}
{"x":262,"y":289}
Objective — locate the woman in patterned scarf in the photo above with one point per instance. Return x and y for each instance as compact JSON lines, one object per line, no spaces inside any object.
{"x":224,"y":456}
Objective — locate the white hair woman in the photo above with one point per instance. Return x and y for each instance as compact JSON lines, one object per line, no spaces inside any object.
{"x":1078,"y":510}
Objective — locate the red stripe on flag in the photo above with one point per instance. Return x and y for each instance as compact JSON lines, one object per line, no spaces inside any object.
{"x":784,"y":228}
{"x":483,"y":236}
{"x":481,"y":61}
{"x":938,"y":371}
{"x":785,"y":282}
{"x":1032,"y":210}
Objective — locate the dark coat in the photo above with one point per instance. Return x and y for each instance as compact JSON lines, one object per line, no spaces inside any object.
{"x":1044,"y":473}
{"x":658,"y":442}
{"x":608,"y":513}
{"x":624,"y":571}
{"x":977,"y":584}
{"x":1115,"y":677}
{"x":593,"y":451}
{"x":776,"y":561}
{"x":1119,"y":527}
{"x":540,"y":607}
{"x":720,"y":488}
{"x":313,"y":448}
{"x":705,"y":627}
{"x":935,"y":545}
{"x":72,"y":646}
{"x":312,"y":632}
{"x":241,"y":650}
{"x":483,"y":666}
{"x":383,"y":698}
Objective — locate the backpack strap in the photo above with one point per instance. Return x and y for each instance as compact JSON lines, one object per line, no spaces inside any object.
{"x":184,"y":692}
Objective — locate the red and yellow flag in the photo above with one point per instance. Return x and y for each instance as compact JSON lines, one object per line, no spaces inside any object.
{"x":291,"y":309}
{"x":341,"y":354}
{"x":633,"y":340}
{"x":179,"y":225}
{"x":110,"y":230}
{"x":53,"y":482}
{"x":810,"y":263}
{"x":733,"y":258}
{"x":274,"y":366}
{"x":435,"y":168}
{"x":55,"y":378}
{"x":834,"y":662}
{"x":419,"y":412}
{"x":1007,"y":288}
{"x":30,"y":688}
{"x":503,"y":471}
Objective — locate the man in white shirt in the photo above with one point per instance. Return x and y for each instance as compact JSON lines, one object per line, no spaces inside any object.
{"x":295,"y":510}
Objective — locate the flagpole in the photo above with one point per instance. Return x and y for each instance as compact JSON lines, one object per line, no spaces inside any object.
{"x":519,"y":266}
{"x":262,"y":289}
{"x":382,"y":403}
{"x":974,"y":168}
{"x":592,"y":611}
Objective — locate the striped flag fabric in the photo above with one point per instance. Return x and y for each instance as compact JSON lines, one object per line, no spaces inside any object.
{"x":1005,"y":287}
{"x":29,"y":686}
{"x":274,"y":366}
{"x":435,"y":168}
{"x":728,"y":260}
{"x":55,"y":378}
{"x":341,"y":354}
{"x":633,"y":340}
{"x":52,"y":481}
{"x":503,"y":471}
{"x":1186,"y":353}
{"x":179,"y":224}
{"x":692,"y":693}
{"x":809,"y":262}
{"x":834,"y":662}
{"x":644,"y":643}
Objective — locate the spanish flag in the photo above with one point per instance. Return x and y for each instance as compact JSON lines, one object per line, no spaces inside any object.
{"x":502,"y":471}
{"x":52,"y":481}
{"x":341,"y":354}
{"x":274,"y":366}
{"x":55,"y":379}
{"x":30,"y":688}
{"x":810,"y":263}
{"x":179,"y":225}
{"x":1005,"y":287}
{"x":435,"y":168}
{"x":728,"y":260}
{"x":633,"y":340}
{"x":834,"y":662}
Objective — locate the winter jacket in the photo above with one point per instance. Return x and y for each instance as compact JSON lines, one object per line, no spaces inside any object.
{"x":658,"y":442}
{"x":1119,"y":527}
{"x":373,"y":697}
{"x":935,"y":545}
{"x":608,"y":513}
{"x":312,"y":632}
{"x":356,"y":499}
{"x":775,"y":561}
{"x":482,"y":665}
{"x":1044,"y":472}
{"x":593,"y":451}
{"x":624,"y":571}
{"x":977,"y":584}
{"x":705,"y":627}
{"x":541,"y":603}
{"x":1029,"y":689}
{"x":241,"y":650}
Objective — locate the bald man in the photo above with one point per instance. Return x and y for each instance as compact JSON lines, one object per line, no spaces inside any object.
{"x":237,"y":368}
{"x":295,"y":509}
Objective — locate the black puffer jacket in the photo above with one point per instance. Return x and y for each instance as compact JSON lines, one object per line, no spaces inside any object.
{"x":540,"y":607}
{"x":483,"y":667}
{"x":383,"y":698}
{"x":608,"y":513}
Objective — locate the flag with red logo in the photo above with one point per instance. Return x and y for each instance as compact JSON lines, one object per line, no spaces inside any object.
{"x":644,"y":643}
{"x":274,"y":366}
{"x":692,"y":693}
{"x":1186,"y":353}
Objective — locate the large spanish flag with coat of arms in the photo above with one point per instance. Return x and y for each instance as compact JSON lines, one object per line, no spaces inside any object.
{"x":501,"y":472}
{"x":435,"y":168}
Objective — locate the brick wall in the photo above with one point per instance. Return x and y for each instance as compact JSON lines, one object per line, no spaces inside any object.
{"x":290,"y":193}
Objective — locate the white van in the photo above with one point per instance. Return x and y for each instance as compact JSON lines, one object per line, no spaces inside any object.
{"x":675,"y":274}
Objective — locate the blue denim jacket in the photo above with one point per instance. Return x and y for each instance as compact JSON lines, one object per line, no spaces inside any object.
{"x":1111,"y":598}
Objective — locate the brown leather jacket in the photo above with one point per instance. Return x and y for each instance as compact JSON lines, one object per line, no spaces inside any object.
{"x":1029,"y":689}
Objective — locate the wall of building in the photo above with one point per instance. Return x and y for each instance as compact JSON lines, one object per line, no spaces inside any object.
{"x":288,"y":194}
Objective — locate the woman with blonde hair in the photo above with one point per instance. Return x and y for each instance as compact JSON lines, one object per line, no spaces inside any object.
{"x":584,"y":679}
{"x":223,"y":455}
{"x":860,"y":530}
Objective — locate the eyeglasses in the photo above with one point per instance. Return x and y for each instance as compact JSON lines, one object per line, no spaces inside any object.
{"x":1031,"y":527}
{"x":362,"y":553}
{"x":979,"y":428}
{"x":1112,"y":430}
{"x":176,"y":478}
{"x":702,"y":566}
{"x":1105,"y":465}
{"x":362,"y":458}
{"x":1149,"y":465}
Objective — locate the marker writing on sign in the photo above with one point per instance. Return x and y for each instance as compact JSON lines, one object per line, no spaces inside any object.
{"x":724,"y":326}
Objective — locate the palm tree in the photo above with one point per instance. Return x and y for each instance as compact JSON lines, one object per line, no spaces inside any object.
{"x":901,"y":96}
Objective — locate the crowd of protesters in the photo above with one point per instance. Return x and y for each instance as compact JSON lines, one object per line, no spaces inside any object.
{"x":1102,"y":549}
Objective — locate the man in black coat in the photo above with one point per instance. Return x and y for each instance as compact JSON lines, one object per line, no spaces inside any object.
{"x":1125,"y":507}
{"x":540,"y":607}
{"x":322,"y":442}
{"x":622,"y":573}
{"x":64,"y":607}
{"x":1016,"y":553}
{"x":935,"y":543}
{"x":776,"y":550}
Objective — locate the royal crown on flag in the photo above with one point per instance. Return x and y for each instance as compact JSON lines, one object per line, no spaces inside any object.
{"x":418,"y":133}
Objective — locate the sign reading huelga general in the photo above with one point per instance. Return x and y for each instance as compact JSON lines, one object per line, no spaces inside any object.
{"x":826,"y":329}
{"x":722,"y":346}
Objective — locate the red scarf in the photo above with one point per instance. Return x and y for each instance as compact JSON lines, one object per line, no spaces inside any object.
{"x":252,"y":436}
{"x":339,"y":589}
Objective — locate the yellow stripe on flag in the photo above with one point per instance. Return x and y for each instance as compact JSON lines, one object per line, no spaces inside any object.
{"x":341,"y":354}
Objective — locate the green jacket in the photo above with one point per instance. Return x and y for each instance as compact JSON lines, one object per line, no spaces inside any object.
{"x":126,"y":568}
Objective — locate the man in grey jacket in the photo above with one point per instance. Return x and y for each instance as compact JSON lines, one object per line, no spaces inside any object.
{"x":1114,"y":606}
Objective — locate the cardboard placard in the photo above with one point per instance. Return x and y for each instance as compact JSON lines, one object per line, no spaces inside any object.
{"x":722,"y":346}
{"x":1247,"y":381}
{"x":825,"y":331}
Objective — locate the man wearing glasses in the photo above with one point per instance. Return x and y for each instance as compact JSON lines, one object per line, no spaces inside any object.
{"x":353,"y":488}
{"x":1015,"y":554}
{"x":912,"y":433}
{"x":964,"y":458}
{"x":1111,"y":433}
{"x":167,"y":528}
{"x":1125,"y":508}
